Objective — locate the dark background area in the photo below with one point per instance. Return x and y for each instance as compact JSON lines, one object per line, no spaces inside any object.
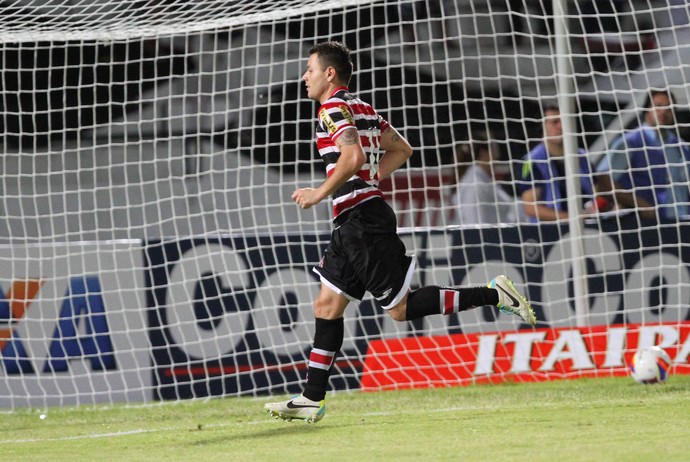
{"x":51,"y":91}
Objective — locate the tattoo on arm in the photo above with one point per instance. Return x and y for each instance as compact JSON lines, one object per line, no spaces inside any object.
{"x":348,"y":137}
{"x":395,"y":137}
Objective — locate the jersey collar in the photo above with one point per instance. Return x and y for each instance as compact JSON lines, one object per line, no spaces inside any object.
{"x":343,"y":87}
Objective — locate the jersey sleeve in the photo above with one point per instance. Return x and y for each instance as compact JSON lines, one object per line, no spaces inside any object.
{"x":335,"y":116}
{"x":383,"y":124}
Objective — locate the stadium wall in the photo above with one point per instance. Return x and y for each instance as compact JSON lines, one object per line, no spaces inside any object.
{"x":166,"y":319}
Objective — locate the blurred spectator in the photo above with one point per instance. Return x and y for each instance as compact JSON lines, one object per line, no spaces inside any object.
{"x":478,"y":199}
{"x":542,"y":182}
{"x":647,"y":167}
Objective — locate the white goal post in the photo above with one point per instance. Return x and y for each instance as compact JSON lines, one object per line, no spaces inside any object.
{"x":149,"y":249}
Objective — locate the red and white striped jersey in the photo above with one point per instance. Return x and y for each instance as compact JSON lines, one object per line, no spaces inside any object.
{"x":344,"y":110}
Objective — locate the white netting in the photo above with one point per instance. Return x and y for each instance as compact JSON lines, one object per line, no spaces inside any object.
{"x":150,"y":249}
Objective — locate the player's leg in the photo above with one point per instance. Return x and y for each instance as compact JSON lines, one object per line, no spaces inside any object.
{"x":429,"y":300}
{"x":340,"y":284}
{"x":310,"y":406}
{"x":329,"y":331}
{"x":388,"y":274}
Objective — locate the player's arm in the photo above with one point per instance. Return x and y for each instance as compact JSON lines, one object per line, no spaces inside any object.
{"x":539,"y":211}
{"x":349,"y":163}
{"x":396,"y":152}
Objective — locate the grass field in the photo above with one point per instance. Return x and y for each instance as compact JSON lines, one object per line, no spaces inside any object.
{"x":581,"y":420}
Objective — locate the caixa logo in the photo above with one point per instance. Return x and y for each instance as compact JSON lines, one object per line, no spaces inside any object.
{"x":80,"y":330}
{"x":229,"y":315}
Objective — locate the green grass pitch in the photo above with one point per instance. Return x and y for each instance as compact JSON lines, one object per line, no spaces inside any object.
{"x":611,"y":419}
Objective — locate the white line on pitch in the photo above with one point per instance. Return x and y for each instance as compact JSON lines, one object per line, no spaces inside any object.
{"x":130,"y":432}
{"x":79,"y":437}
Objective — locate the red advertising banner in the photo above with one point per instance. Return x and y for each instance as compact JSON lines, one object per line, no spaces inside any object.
{"x":521,"y":356}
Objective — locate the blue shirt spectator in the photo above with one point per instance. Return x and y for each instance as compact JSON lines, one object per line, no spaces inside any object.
{"x":546,"y":175}
{"x":648,"y":167}
{"x":542,"y":184}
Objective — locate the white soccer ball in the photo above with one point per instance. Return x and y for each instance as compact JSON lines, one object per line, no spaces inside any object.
{"x":650,"y":365}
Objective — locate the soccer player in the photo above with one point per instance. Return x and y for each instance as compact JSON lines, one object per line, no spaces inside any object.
{"x":359,"y":147}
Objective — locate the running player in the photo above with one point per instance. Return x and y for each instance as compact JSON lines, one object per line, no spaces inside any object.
{"x":365,"y":254}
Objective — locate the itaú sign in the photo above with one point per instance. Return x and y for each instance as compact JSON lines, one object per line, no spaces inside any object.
{"x":525,"y":355}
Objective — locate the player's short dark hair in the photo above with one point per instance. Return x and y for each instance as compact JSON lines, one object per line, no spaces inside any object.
{"x":337,"y":56}
{"x":657,"y":91}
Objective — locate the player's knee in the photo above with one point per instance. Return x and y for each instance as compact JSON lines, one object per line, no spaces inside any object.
{"x":321,"y":308}
{"x":398,"y":312}
{"x":327,"y":307}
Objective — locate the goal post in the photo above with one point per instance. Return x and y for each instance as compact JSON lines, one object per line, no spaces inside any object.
{"x":149,"y":249}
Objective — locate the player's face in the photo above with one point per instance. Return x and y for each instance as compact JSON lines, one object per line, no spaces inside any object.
{"x":660,"y":113}
{"x":317,"y":79}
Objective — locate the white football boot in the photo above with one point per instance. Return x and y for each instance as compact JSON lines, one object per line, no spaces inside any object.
{"x":510,"y":300}
{"x":297,"y":407}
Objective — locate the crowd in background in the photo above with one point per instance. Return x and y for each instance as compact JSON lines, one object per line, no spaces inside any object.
{"x":644,"y":170}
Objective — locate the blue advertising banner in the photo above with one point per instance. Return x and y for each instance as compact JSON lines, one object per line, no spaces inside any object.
{"x":232,"y":315}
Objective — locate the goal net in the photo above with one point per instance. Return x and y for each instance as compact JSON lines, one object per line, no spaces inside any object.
{"x":150,"y":250}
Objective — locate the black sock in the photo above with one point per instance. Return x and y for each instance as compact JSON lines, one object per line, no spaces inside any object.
{"x":445,"y":300}
{"x":328,"y":339}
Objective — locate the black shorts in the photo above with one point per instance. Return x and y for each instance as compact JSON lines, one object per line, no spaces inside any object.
{"x":366,"y":255}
